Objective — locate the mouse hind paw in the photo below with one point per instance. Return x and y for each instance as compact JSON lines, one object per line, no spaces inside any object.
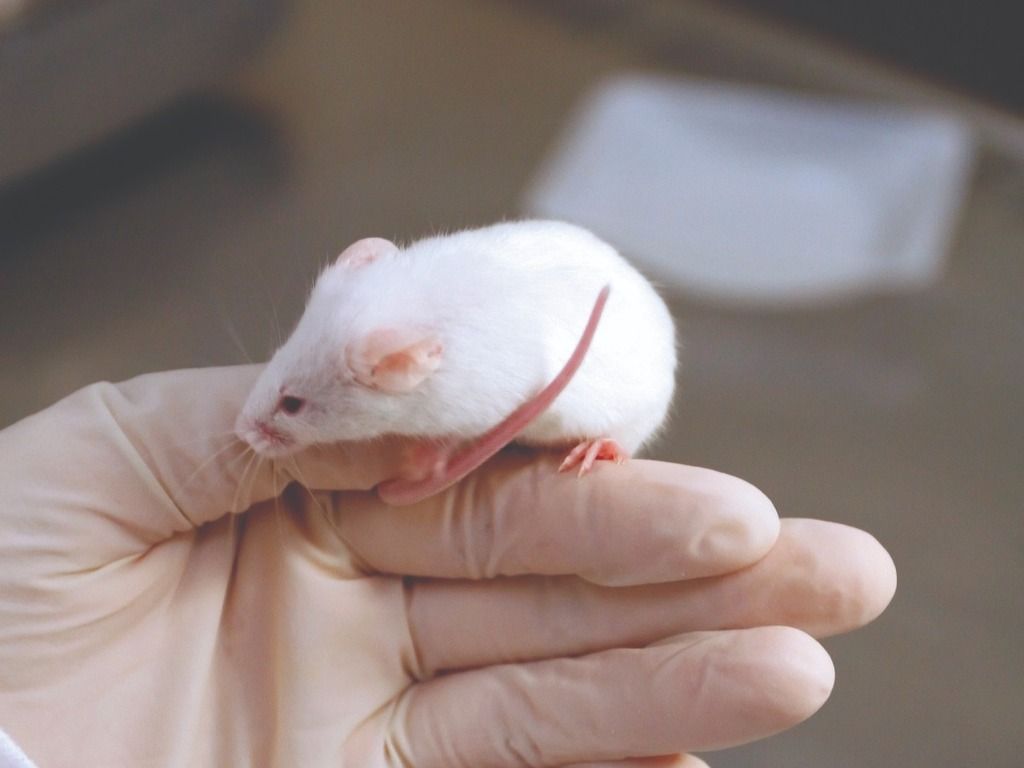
{"x":588,"y":451}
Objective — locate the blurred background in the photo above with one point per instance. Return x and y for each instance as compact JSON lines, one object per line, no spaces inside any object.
{"x":172,"y":176}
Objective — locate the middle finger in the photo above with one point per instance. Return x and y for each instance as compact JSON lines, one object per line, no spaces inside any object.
{"x":823,"y":578}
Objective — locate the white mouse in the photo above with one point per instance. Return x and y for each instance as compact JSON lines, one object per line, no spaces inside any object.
{"x":534,"y":330}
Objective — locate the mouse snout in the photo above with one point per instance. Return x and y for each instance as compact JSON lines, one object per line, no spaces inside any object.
{"x":264,"y":437}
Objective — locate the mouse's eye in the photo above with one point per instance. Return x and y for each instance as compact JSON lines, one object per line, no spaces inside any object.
{"x":291,"y":404}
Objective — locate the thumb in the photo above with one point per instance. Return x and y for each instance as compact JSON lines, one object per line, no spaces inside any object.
{"x":115,"y":468}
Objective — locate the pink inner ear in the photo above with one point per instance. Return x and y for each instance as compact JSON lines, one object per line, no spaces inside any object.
{"x":394,"y":360}
{"x":365,"y":251}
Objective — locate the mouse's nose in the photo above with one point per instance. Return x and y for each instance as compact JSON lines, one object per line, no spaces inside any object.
{"x":272,"y":435}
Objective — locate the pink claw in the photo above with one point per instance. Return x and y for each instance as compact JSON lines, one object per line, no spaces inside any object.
{"x":589,"y":451}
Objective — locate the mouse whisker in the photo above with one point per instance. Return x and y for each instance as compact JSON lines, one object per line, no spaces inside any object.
{"x":276,"y":320}
{"x":277,"y":503}
{"x":278,"y":334}
{"x":228,"y":433}
{"x":316,"y":502}
{"x":232,"y":332}
{"x":241,"y":480}
{"x":207,"y":461}
{"x":255,"y":476}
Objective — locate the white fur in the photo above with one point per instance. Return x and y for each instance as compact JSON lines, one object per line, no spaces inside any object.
{"x":509,"y":303}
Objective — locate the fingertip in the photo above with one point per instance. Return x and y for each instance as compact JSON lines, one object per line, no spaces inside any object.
{"x":749,"y":684}
{"x":871,"y":580}
{"x":745,"y":524}
{"x":707,"y":523}
{"x":797,"y":675}
{"x":847,"y":576}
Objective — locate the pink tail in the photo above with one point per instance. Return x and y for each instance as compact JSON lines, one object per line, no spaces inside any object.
{"x":471,"y":456}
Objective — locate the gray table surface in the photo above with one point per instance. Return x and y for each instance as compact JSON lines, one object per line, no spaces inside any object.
{"x":197,"y":235}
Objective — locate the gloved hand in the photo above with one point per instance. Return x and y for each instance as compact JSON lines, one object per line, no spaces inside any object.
{"x":166,"y":599}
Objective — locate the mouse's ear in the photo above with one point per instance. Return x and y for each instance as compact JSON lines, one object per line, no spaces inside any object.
{"x":394,"y":360}
{"x":365,"y":251}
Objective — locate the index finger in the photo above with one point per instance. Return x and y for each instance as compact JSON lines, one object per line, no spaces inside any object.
{"x":641,"y":522}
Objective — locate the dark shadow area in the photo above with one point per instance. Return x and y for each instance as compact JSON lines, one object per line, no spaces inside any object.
{"x":583,"y":14}
{"x":72,"y":73}
{"x":974,"y":46}
{"x":131,"y":228}
{"x":239,"y":149}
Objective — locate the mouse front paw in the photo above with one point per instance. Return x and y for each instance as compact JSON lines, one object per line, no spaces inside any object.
{"x":423,"y":459}
{"x":587,"y":452}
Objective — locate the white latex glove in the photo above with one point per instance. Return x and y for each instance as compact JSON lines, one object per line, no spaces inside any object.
{"x":159,"y":607}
